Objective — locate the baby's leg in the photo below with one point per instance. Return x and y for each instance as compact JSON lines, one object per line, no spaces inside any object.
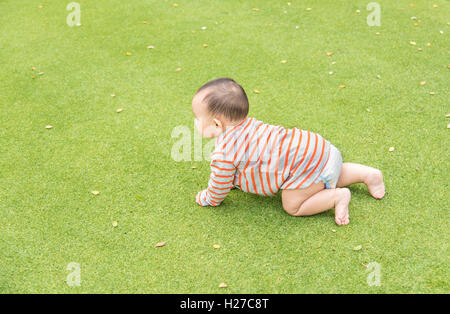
{"x":356,"y":173}
{"x":315,"y":199}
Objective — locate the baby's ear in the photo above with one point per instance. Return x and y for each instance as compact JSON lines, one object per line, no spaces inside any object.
{"x":217,"y":122}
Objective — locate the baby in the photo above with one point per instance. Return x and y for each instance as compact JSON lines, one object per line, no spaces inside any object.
{"x":261,"y":158}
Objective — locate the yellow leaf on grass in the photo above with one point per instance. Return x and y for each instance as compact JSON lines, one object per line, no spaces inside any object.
{"x":216,"y":246}
{"x":128,"y":53}
{"x":283,"y":61}
{"x":412,"y":43}
{"x":357,"y":248}
{"x":423,"y":83}
{"x":119,"y":110}
{"x":342,"y":86}
{"x":256,"y":91}
{"x":95,"y":192}
{"x":160,"y":244}
{"x":48,"y":127}
{"x":329,"y":53}
{"x":205,"y":45}
{"x":255,"y":9}
{"x":115,"y":224}
{"x":178,"y":69}
{"x":223,"y":285}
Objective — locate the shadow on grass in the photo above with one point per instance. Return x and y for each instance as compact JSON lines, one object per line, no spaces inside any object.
{"x":256,"y":207}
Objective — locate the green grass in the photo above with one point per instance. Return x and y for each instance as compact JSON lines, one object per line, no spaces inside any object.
{"x":49,"y":218}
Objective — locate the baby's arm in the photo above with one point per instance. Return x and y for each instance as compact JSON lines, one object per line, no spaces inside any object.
{"x":220,"y":182}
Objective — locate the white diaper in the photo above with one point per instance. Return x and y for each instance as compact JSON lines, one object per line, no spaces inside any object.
{"x":332,"y":171}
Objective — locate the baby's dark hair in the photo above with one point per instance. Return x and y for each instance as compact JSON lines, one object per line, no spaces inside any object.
{"x":225,"y":97}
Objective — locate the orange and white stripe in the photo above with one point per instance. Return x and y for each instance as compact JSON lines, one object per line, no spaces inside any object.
{"x":260,"y":158}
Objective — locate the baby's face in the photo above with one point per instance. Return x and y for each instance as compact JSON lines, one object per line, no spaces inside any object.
{"x":206,"y":125}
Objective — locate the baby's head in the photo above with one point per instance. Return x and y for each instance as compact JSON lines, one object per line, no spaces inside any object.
{"x":217,"y":105}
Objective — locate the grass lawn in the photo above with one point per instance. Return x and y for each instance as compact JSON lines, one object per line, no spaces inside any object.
{"x":49,"y":217}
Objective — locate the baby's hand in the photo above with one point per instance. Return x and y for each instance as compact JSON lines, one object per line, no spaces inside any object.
{"x":197,"y":199}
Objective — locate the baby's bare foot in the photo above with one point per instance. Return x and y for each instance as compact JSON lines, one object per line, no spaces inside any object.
{"x":374,"y":182}
{"x":341,"y":206}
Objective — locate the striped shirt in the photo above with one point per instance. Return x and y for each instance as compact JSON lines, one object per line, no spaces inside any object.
{"x":260,"y":158}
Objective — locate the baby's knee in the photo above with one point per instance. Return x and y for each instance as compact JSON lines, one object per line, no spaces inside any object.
{"x":293,"y":209}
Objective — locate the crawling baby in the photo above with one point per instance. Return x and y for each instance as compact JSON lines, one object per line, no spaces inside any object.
{"x":260,"y":158}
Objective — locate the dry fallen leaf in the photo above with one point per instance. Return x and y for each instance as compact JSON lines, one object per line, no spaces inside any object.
{"x":358,"y":11}
{"x":357,"y":248}
{"x":33,"y":68}
{"x":432,"y":93}
{"x":256,"y":91}
{"x":128,"y":53}
{"x":144,"y":22}
{"x":423,"y":83}
{"x":160,"y":244}
{"x":308,"y":9}
{"x":150,"y":47}
{"x":119,"y":110}
{"x":412,"y":43}
{"x":333,"y":230}
{"x":223,"y":285}
{"x":175,"y":4}
{"x":255,"y":9}
{"x":342,"y":86}
{"x":95,"y":192}
{"x":205,"y":45}
{"x":428,"y":44}
{"x":435,"y":5}
{"x":448,"y":126}
{"x":329,"y":53}
{"x":420,"y":49}
{"x":377,"y":33}
{"x":115,"y":224}
{"x":391,"y":149}
{"x":447,"y":115}
{"x":283,"y":61}
{"x":48,"y":127}
{"x":193,"y":167}
{"x":33,"y":77}
{"x":216,"y":246}
{"x":113,"y":95}
{"x":178,"y":69}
